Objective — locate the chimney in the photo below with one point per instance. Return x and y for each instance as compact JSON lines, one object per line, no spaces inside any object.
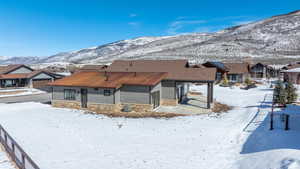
{"x":106,"y":76}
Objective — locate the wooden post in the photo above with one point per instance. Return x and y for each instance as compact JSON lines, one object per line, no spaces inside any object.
{"x":286,"y":122}
{"x":211,"y":92}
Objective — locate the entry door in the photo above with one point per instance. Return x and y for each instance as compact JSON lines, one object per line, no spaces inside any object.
{"x":156,"y":99}
{"x":84,"y":99}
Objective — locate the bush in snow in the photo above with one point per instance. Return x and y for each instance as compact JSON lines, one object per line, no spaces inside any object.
{"x":225,"y":81}
{"x":248,"y":82}
{"x":291,"y":95}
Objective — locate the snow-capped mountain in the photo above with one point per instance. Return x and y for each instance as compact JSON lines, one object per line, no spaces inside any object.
{"x":5,"y":60}
{"x":275,"y":38}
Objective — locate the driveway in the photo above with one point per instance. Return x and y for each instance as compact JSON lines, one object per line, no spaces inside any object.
{"x":42,"y":98}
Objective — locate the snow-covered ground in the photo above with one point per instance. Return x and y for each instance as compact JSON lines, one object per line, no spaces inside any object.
{"x":19,"y":92}
{"x":240,"y":139}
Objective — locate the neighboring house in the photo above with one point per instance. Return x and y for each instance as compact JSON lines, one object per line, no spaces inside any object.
{"x":237,"y":72}
{"x":260,"y":70}
{"x":143,"y":84}
{"x":90,"y":68}
{"x":292,"y":75}
{"x":221,"y":68}
{"x":23,"y":76}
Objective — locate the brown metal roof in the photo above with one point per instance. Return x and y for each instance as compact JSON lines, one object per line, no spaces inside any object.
{"x":95,"y":79}
{"x":237,"y":68}
{"x":23,"y":75}
{"x":176,"y":69}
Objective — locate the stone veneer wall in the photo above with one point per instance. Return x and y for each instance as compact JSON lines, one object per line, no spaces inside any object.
{"x":169,"y":102}
{"x":101,"y":108}
{"x":140,"y":107}
{"x":66,"y":104}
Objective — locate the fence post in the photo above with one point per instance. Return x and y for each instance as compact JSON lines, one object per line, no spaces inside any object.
{"x":271,"y":121}
{"x":286,"y":122}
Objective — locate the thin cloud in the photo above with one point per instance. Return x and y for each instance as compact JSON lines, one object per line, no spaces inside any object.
{"x":242,"y":22}
{"x":133,"y":23}
{"x":176,"y":26}
{"x":132,"y":15}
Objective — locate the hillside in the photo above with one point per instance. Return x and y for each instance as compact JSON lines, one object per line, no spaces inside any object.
{"x":276,"y":38}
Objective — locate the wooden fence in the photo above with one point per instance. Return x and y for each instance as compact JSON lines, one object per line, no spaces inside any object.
{"x":17,"y":154}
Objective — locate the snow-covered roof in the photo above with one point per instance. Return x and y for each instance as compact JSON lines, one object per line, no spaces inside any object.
{"x":292,"y":70}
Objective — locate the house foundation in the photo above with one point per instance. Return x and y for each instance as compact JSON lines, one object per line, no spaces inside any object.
{"x":169,"y":102}
{"x":102,"y":108}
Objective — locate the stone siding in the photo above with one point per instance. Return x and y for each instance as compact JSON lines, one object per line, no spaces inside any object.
{"x":102,"y":108}
{"x":66,"y":104}
{"x":169,"y":102}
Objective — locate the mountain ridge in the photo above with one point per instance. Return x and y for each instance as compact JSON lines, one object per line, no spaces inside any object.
{"x":274,"y":38}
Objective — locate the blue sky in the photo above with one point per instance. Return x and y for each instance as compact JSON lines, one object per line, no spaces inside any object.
{"x":46,"y":27}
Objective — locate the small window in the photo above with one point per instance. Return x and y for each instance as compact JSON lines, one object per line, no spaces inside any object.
{"x":107,"y":93}
{"x":70,"y":94}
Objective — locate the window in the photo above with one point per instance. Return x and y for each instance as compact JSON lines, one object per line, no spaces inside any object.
{"x":70,"y":94}
{"x":107,"y":93}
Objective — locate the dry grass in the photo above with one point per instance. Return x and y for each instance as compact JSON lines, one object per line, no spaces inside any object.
{"x":219,"y":107}
{"x":12,"y":92}
{"x":196,"y":93}
{"x":148,"y":114}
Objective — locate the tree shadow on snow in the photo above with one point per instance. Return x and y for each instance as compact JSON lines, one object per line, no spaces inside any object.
{"x":263,"y":139}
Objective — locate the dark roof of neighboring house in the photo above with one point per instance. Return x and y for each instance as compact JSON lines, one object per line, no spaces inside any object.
{"x":95,"y":79}
{"x":157,"y":65}
{"x":197,"y":66}
{"x":237,"y":68}
{"x":10,"y":68}
{"x":91,"y":67}
{"x":176,"y":69}
{"x":23,"y":75}
{"x":219,"y":65}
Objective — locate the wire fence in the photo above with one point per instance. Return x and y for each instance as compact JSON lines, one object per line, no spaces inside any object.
{"x":16,"y":153}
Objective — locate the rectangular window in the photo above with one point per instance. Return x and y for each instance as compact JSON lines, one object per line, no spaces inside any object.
{"x":107,"y":93}
{"x":70,"y":94}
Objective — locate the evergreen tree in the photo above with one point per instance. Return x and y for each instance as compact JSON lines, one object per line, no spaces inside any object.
{"x":279,"y":94}
{"x":291,"y":95}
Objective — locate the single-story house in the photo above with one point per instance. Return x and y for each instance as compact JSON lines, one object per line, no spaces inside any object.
{"x":176,"y":84}
{"x":292,"y":75}
{"x":237,"y":72}
{"x":143,"y":84}
{"x":102,"y":91}
{"x":23,"y":76}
